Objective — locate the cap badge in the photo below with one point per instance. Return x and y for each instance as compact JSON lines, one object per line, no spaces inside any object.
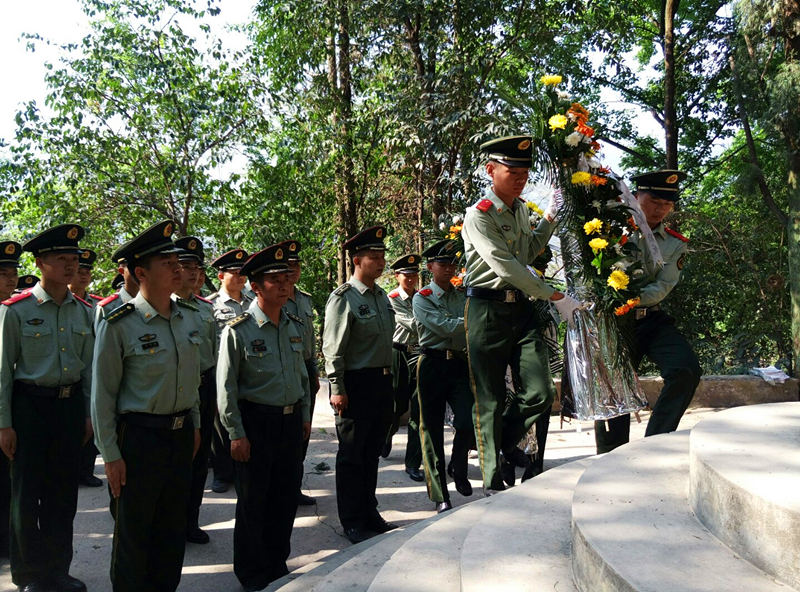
{"x":192,"y":245}
{"x":279,"y":254}
{"x":672,"y":179}
{"x":239,"y":255}
{"x":168,"y":230}
{"x":411,"y":259}
{"x":524,"y":145}
{"x":85,"y":255}
{"x":29,"y":281}
{"x":292,"y":246}
{"x":72,"y":233}
{"x":10,"y":249}
{"x":379,"y":233}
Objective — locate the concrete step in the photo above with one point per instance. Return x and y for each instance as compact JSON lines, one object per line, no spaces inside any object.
{"x":521,"y":542}
{"x":633,"y":530}
{"x":430,"y":560}
{"x":744,"y":482}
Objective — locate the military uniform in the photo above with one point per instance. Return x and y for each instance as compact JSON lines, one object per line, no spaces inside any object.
{"x":357,"y":344}
{"x":226,"y":309}
{"x":443,"y":377}
{"x":404,"y":368}
{"x":502,"y":328}
{"x":655,"y":334}
{"x":45,"y":382}
{"x":145,"y":408}
{"x":263,"y":395}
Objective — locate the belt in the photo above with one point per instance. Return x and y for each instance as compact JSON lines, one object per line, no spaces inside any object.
{"x":513,"y":295}
{"x":407,"y":348}
{"x":176,"y":421}
{"x":270,"y":409}
{"x":443,"y":354}
{"x":52,"y":392}
{"x":640,"y":313}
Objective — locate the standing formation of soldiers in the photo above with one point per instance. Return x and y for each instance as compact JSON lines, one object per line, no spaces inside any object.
{"x":163,"y":381}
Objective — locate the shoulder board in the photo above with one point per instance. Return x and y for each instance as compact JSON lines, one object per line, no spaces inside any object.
{"x":294,"y":317}
{"x":79,"y":299}
{"x":238,"y":320}
{"x":484,"y":205}
{"x":213,"y":296}
{"x":186,"y":304}
{"x":201,"y":299}
{"x":342,"y":289}
{"x":303,"y":292}
{"x":16,"y":298}
{"x":425,"y":292}
{"x":122,"y":311}
{"x":95,"y":297}
{"x":108,"y":300}
{"x":676,"y":234}
{"x":394,"y":294}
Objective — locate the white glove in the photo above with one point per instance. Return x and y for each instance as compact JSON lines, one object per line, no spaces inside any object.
{"x":566,"y":307}
{"x":555,"y":203}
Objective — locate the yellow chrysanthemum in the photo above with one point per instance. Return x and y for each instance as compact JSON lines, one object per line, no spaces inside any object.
{"x":581,"y":178}
{"x":557,"y":122}
{"x":592,"y":226}
{"x":598,"y":244}
{"x":551,"y":79}
{"x":534,"y":208}
{"x":618,"y":279}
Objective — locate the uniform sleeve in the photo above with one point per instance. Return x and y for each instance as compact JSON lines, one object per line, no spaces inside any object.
{"x":228,"y":364}
{"x":488,"y":241}
{"x":541,"y":236}
{"x":305,"y":402}
{"x":9,"y":354}
{"x":87,"y":357}
{"x":107,"y":368}
{"x":657,"y":290}
{"x":435,"y":319}
{"x":403,"y":316}
{"x":334,"y":341}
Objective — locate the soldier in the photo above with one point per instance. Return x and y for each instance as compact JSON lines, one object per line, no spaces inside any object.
{"x":124,"y":282}
{"x":45,"y":384}
{"x":78,"y":287}
{"x":229,"y":302}
{"x":301,"y":307}
{"x":26,"y":282}
{"x":357,"y":345}
{"x":9,"y":263}
{"x":404,"y":362}
{"x":263,"y":398}
{"x":191,"y":258}
{"x":655,"y":335}
{"x":146,"y":414}
{"x":502,"y":328}
{"x":443,"y":374}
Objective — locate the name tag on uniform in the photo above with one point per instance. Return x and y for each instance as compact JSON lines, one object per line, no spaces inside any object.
{"x":296,"y":339}
{"x":258,"y":345}
{"x":150,"y":345}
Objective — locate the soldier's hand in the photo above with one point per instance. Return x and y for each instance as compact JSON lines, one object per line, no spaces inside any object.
{"x":88,"y":432}
{"x":196,"y":442}
{"x":566,"y":306}
{"x":339,"y":403}
{"x":8,"y":442}
{"x":116,"y":474}
{"x":240,"y":449}
{"x":306,"y":430}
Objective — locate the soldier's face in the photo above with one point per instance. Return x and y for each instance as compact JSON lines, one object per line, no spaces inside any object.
{"x":232,"y":281}
{"x":407,"y":281}
{"x":8,"y":281}
{"x":272,"y":289}
{"x":82,"y":279}
{"x":442,"y":272}
{"x":189,"y":272}
{"x":655,"y":209}
{"x":507,"y":182}
{"x":294,"y":272}
{"x":161,"y":272}
{"x":371,"y":263}
{"x":58,"y":268}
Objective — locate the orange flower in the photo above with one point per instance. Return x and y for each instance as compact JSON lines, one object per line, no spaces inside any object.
{"x":597,"y":180}
{"x":584,"y":129}
{"x":602,"y":170}
{"x":622,"y":310}
{"x":579,"y":112}
{"x":623,"y":240}
{"x":595,"y":145}
{"x":632,"y":224}
{"x":456,"y":281}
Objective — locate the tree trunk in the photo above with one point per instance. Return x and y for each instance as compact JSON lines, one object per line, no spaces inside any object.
{"x":670,"y":8}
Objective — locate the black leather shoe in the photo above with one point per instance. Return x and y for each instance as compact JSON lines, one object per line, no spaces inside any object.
{"x":379,"y":525}
{"x":66,"y":583}
{"x":387,"y":449}
{"x":91,"y":481}
{"x":415,"y":474}
{"x":488,"y":492}
{"x":37,"y":587}
{"x":443,"y":507}
{"x":450,"y":470}
{"x":463,"y":486}
{"x":356,"y":535}
{"x":197,"y":536}
{"x":508,"y":472}
{"x":305,"y":500}
{"x":220,"y":486}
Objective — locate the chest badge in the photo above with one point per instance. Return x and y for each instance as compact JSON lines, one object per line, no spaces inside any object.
{"x":148,"y":337}
{"x":35,"y":321}
{"x":258,"y":345}
{"x":506,"y":227}
{"x":363,"y":310}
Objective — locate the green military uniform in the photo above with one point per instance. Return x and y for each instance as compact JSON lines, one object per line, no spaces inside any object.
{"x":404,"y":368}
{"x":502,"y":328}
{"x":45,"y":384}
{"x":443,"y":377}
{"x":263,"y":395}
{"x":655,"y":334}
{"x":145,"y":408}
{"x":357,"y":344}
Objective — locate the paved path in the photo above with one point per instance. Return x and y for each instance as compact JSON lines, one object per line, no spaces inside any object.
{"x":317,"y":532}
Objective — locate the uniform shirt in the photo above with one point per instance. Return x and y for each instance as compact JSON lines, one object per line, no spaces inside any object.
{"x":359,"y":323}
{"x":440,"y":316}
{"x":44,"y":344}
{"x":110,"y":304}
{"x":205,"y":312}
{"x":499,"y":243}
{"x":299,"y":304}
{"x":661,"y":282}
{"x":263,"y":363}
{"x":144,"y":363}
{"x":405,"y":328}
{"x":226,"y":308}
